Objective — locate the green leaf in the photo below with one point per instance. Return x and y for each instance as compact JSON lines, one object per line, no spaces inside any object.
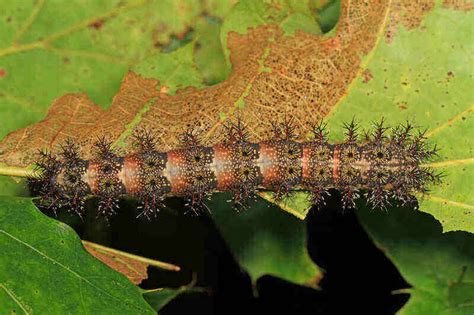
{"x":424,"y":75}
{"x":10,"y":186}
{"x":50,"y":48}
{"x":44,"y":269}
{"x":208,"y":52}
{"x":298,"y":203}
{"x":328,"y":14}
{"x":289,"y":15}
{"x":175,"y":70}
{"x":265,"y":240}
{"x":439,"y":266}
{"x":160,"y":297}
{"x":218,"y":8}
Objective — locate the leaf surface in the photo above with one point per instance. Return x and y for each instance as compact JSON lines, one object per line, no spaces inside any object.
{"x":421,"y":71}
{"x":49,"y":48}
{"x":265,"y":240}
{"x":160,"y":297}
{"x":45,"y":269}
{"x":439,"y":266}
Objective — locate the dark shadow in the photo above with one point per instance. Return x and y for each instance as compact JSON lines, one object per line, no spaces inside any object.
{"x":358,"y":276}
{"x":189,"y":241}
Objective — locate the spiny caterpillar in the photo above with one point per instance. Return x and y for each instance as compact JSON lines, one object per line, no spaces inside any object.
{"x":386,"y":167}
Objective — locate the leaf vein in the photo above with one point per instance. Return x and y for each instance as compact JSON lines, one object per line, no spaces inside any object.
{"x":14,"y":298}
{"x":66,"y":268}
{"x":29,"y":21}
{"x":450,"y":121}
{"x":449,"y":202}
{"x":68,"y":30}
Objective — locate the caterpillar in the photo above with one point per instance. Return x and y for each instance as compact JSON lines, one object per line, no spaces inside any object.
{"x":386,"y":166}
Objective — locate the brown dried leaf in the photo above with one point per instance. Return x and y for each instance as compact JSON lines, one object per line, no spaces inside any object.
{"x":304,"y":76}
{"x":135,"y":271}
{"x":76,"y":116}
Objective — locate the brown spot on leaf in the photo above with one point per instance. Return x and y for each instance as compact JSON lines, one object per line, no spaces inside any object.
{"x":97,"y":24}
{"x":158,"y":41}
{"x":450,"y":76}
{"x":273,"y":75}
{"x":3,"y":73}
{"x":402,"y":105}
{"x":164,"y":89}
{"x":367,"y":76}
{"x":184,"y":33}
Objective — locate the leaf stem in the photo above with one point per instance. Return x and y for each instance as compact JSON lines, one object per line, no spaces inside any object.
{"x":19,"y":171}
